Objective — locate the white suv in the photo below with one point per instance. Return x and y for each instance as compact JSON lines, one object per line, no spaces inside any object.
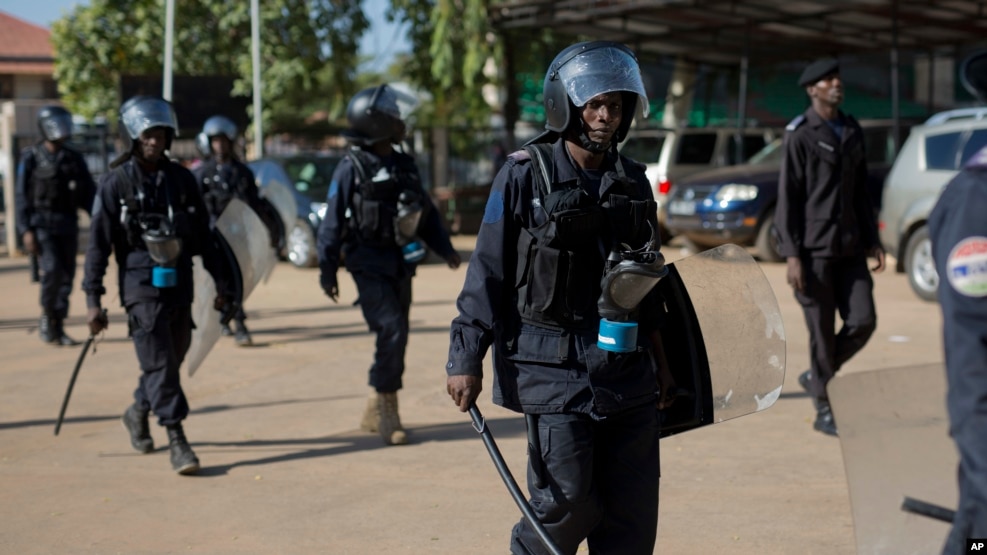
{"x":934,"y":153}
{"x":672,"y":154}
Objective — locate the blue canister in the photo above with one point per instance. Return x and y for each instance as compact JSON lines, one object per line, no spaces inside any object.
{"x":617,"y":337}
{"x":413,"y":252}
{"x":164,"y":277}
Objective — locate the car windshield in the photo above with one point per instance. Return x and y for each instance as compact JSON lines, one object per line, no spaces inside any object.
{"x":643,"y":149}
{"x":311,"y":175}
{"x":771,"y":153}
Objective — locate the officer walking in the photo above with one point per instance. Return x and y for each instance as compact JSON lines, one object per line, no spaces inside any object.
{"x":149,"y":212}
{"x":53,"y":183}
{"x":222,"y":177}
{"x":378,"y":214}
{"x":827,"y":230}
{"x":958,"y":231}
{"x":560,"y":212}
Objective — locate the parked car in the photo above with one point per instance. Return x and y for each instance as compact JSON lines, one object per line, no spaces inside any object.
{"x":736,"y":204}
{"x":673,"y":154}
{"x":931,"y":156}
{"x":307,"y":176}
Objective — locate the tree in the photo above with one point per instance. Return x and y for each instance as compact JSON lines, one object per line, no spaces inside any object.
{"x":308,"y":52}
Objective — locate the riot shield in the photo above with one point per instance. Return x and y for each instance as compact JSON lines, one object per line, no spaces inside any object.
{"x":246,"y":238}
{"x":277,"y":192}
{"x":894,"y":432}
{"x":724,"y":338}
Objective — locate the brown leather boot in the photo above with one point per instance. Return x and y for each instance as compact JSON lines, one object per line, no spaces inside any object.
{"x":371,"y":415}
{"x":390,"y":423}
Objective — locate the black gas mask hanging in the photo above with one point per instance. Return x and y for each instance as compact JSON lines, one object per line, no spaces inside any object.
{"x":629,"y":275}
{"x":163,"y":246}
{"x":406,"y":222}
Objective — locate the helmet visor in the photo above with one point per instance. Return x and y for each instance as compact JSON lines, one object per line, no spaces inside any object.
{"x":603,"y":70}
{"x":219,"y":125}
{"x":57,"y":126}
{"x":148,"y":113}
{"x":394,"y":102}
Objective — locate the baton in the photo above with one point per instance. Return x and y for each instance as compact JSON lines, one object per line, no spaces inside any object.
{"x":924,"y":508}
{"x":480,"y":425}
{"x":75,"y":374}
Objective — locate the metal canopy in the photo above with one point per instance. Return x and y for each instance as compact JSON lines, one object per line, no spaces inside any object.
{"x":722,"y":31}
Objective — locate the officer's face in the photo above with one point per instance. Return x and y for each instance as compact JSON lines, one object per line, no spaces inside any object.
{"x":153,"y":142}
{"x":602,"y":116}
{"x":829,"y":89}
{"x":221,"y":146}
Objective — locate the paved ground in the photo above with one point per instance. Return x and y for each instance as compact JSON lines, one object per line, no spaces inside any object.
{"x":286,"y":469}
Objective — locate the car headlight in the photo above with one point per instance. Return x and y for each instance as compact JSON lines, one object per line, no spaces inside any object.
{"x":736,"y":191}
{"x":319,"y":208}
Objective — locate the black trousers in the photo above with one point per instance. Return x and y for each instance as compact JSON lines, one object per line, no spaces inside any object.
{"x":386,"y":304}
{"x":57,"y":266}
{"x":600,"y":484}
{"x":162,"y":334}
{"x":834,"y":285}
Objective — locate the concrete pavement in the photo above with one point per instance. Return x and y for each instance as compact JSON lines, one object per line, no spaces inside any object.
{"x":286,"y":469}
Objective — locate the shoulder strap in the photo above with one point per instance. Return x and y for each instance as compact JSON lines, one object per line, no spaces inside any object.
{"x":127,"y":190}
{"x":359,"y":165}
{"x":540,"y":154}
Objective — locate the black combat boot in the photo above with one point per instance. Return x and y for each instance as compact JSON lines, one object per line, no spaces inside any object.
{"x":58,"y":335}
{"x":825,"y":422}
{"x":135,"y":421}
{"x":44,"y":329}
{"x":242,"y":337}
{"x":183,"y":459}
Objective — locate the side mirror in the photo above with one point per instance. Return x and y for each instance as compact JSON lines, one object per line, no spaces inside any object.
{"x":973,"y":75}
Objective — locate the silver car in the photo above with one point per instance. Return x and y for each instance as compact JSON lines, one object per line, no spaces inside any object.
{"x":932,"y":155}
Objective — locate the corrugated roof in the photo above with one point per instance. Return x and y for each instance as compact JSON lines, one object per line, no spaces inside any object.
{"x":24,"y":47}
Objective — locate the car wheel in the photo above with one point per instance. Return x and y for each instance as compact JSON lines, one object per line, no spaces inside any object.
{"x":766,"y":242}
{"x":301,"y":245}
{"x":920,"y":266}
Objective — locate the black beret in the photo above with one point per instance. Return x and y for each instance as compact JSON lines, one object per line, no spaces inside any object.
{"x":817,"y":70}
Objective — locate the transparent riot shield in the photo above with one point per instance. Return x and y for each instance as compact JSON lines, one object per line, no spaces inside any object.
{"x":894,"y":432}
{"x":246,"y":241}
{"x":724,"y":338}
{"x":277,"y":190}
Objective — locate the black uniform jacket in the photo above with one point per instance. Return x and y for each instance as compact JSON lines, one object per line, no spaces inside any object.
{"x":958,"y":229}
{"x":334,"y":237}
{"x":134,"y":264}
{"x":537,"y":369}
{"x":823,"y":206}
{"x":220,"y":184}
{"x":70,"y":167}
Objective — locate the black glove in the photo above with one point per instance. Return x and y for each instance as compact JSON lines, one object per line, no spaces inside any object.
{"x":329,"y":285}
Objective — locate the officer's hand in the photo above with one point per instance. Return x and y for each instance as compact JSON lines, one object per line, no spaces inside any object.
{"x":464,"y":390}
{"x":31,"y":246}
{"x":453,"y":260}
{"x":329,"y":285}
{"x":667,"y":389}
{"x":220,"y":302}
{"x":795,"y":276}
{"x":878,"y":254}
{"x":97,"y":320}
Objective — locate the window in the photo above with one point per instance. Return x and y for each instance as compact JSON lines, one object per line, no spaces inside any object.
{"x":697,"y":148}
{"x":6,"y":86}
{"x":642,"y":148}
{"x":977,"y":141}
{"x":751,"y":145}
{"x":940,"y":151}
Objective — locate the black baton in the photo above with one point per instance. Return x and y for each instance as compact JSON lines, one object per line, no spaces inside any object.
{"x":75,"y":374}
{"x":480,"y":425}
{"x":924,"y":508}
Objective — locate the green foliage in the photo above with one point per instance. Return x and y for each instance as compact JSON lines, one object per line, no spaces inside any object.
{"x":308,"y":52}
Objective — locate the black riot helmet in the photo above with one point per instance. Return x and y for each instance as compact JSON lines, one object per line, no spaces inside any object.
{"x":579,"y":73}
{"x":214,"y":126}
{"x":140,"y":113}
{"x":55,"y":123}
{"x":378,"y":114}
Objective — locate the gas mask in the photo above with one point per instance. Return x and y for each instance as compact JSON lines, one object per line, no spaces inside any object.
{"x":163,"y":247}
{"x":406,"y":222}
{"x":628,"y":277}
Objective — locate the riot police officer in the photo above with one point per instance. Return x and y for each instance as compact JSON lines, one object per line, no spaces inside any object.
{"x":53,"y":183}
{"x":958,"y":231}
{"x":222,"y":177}
{"x":558,"y":213}
{"x":377,"y":218}
{"x":148,"y":211}
{"x":827,"y":230}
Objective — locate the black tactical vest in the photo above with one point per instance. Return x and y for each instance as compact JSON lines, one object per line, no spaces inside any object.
{"x":218,"y":190}
{"x":132,"y":208}
{"x":375,"y":199}
{"x":561,"y":261}
{"x":50,"y":181}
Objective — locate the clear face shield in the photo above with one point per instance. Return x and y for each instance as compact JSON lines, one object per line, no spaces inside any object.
{"x":629,"y":276}
{"x":57,"y":127}
{"x":603,"y":70}
{"x":163,"y":247}
{"x":397,"y":104}
{"x":410,"y":211}
{"x":147,"y":113}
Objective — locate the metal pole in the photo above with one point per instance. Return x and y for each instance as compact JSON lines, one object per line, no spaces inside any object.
{"x":255,"y":54}
{"x":895,"y":93}
{"x":169,"y":49}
